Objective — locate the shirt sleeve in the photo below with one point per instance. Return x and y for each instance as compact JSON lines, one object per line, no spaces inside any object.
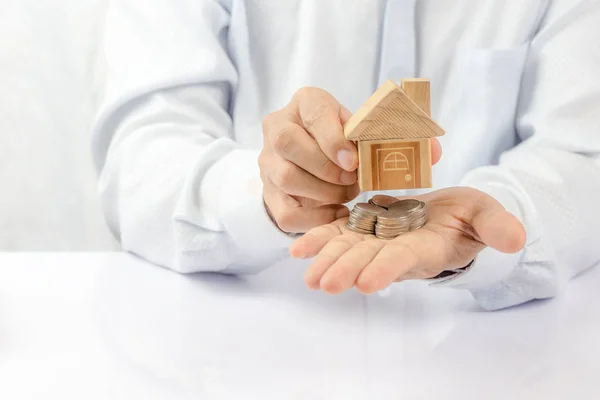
{"x":551,"y":180}
{"x":176,"y":188}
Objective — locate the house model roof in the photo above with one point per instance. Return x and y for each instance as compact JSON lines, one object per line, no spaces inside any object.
{"x":390,"y":114}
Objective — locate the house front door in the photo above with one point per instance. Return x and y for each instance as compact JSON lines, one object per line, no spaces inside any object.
{"x":397,"y":165}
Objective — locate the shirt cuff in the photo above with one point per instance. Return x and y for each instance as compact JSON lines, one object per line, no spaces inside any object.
{"x":490,"y":265}
{"x":233,"y":188}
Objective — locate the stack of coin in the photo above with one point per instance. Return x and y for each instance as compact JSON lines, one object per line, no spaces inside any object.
{"x":415,"y":208}
{"x":387,"y":217}
{"x":392,"y":223}
{"x":363,"y":218}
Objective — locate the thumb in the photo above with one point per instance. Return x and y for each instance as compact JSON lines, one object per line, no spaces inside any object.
{"x":345,"y":114}
{"x":321,"y":115}
{"x":496,"y":227}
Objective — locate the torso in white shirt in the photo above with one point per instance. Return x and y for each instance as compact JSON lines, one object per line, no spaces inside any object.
{"x":190,"y":81}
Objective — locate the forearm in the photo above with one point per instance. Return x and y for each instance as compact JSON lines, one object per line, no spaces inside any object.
{"x":180,"y":194}
{"x":554,"y":194}
{"x":176,"y":187}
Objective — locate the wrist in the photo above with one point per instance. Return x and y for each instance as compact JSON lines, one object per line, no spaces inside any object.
{"x":274,"y":221}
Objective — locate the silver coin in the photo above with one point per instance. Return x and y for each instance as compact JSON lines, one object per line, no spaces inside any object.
{"x":363,"y":226}
{"x":364,"y":221}
{"x":408,"y":205}
{"x":365,"y":218}
{"x":383,"y":201}
{"x":392,"y":231}
{"x":359,"y":230}
{"x":393,"y":228}
{"x":394,"y":215}
{"x":367,"y":208}
{"x":387,"y":237}
{"x":394,"y":222}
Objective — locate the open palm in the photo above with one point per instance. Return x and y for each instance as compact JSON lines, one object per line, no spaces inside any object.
{"x":461,"y":222}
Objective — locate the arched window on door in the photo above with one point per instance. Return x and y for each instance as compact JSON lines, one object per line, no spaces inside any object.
{"x":395,"y":161}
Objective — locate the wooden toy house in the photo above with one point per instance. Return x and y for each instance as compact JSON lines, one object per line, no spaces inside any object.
{"x":393,"y":132}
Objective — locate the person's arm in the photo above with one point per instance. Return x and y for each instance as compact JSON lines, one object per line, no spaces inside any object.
{"x":530,"y":223}
{"x":175,"y":186}
{"x":551,"y":181}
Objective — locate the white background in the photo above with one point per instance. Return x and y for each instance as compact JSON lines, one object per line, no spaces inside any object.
{"x":49,"y":77}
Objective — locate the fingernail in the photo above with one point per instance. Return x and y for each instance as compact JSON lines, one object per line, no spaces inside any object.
{"x":348,"y":178}
{"x":346,"y":159}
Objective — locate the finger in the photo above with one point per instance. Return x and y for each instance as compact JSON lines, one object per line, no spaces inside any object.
{"x":496,"y":227}
{"x":293,"y":143}
{"x":321,"y":115}
{"x":327,"y":257}
{"x":292,"y":218}
{"x":436,"y":151}
{"x":345,"y":115}
{"x":311,"y":243}
{"x":343,"y":273}
{"x":293,"y":180}
{"x":310,"y":203}
{"x":421,"y":249}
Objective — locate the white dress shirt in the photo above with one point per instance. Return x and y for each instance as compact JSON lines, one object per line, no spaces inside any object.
{"x":515,"y":84}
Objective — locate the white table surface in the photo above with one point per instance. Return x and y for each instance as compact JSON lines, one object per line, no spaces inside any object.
{"x":110,"y":326}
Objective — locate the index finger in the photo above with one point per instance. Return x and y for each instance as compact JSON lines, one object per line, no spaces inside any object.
{"x":436,"y":151}
{"x":323,"y":117}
